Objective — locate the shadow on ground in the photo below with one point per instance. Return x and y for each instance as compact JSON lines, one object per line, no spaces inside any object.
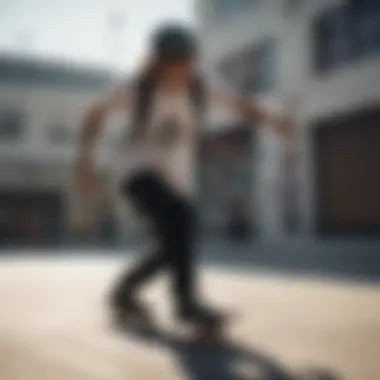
{"x":224,"y":360}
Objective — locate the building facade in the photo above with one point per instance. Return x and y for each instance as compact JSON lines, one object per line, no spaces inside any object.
{"x":321,"y":60}
{"x":42,"y":104}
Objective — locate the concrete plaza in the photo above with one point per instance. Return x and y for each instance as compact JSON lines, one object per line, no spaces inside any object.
{"x":53,"y":325}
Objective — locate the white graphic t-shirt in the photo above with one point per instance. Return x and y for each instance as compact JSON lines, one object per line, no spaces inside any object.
{"x":169,"y":141}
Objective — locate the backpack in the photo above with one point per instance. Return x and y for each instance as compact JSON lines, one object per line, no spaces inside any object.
{"x":145,"y":87}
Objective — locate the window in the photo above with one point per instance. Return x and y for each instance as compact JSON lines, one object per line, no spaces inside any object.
{"x":266,"y":67}
{"x":253,"y":70}
{"x":11,"y":124}
{"x":292,"y":6}
{"x":340,"y":44}
{"x":366,"y":15}
{"x":59,"y":134}
{"x":321,"y":40}
{"x":26,"y":71}
{"x":345,"y":33}
{"x":228,"y":8}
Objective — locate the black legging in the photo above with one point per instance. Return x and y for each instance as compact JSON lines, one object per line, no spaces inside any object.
{"x":173,"y":222}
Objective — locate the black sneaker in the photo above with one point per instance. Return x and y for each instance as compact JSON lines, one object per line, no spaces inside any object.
{"x":200,"y":315}
{"x":130,"y":314}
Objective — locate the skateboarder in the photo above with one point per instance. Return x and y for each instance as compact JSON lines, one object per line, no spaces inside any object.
{"x":166,"y":103}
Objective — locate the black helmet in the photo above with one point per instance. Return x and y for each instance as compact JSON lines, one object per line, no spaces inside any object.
{"x":174,"y":43}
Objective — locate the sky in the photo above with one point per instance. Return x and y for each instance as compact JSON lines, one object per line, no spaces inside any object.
{"x":79,"y":30}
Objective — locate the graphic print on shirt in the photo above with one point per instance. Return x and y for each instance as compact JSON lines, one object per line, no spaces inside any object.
{"x":168,"y":133}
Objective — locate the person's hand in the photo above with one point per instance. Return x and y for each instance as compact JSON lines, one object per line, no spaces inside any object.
{"x":84,"y":177}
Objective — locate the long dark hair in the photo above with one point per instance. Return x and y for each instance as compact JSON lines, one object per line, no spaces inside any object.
{"x":170,"y":43}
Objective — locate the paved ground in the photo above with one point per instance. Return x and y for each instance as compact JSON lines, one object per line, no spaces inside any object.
{"x":53,"y":325}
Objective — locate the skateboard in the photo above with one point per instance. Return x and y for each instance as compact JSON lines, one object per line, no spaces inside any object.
{"x":147,"y":324}
{"x":204,"y":332}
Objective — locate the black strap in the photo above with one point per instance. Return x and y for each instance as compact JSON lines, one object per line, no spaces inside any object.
{"x":197,"y":94}
{"x":144,"y":88}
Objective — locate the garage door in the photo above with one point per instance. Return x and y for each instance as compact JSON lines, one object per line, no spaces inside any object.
{"x":348,"y":175}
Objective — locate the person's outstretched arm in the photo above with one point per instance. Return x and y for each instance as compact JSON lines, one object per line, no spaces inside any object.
{"x":249,"y":110}
{"x":93,"y":123}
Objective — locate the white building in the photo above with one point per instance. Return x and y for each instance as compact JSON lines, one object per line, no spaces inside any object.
{"x":41,"y":110}
{"x":323,"y":56}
